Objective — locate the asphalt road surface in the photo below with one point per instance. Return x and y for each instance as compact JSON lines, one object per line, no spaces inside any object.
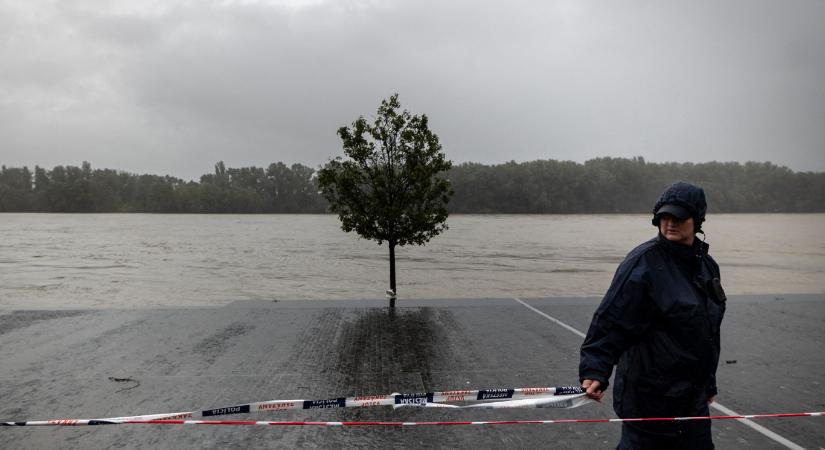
{"x":108,"y":363}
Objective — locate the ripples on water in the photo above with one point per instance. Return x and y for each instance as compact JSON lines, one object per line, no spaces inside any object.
{"x":145,"y":260}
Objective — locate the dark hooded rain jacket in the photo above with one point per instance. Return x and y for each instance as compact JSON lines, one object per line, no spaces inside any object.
{"x":659,"y":324}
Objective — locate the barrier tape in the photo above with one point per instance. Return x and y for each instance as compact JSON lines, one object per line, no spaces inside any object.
{"x":71,"y":422}
{"x":536,"y":397}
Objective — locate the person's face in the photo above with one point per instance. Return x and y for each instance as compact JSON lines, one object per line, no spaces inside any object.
{"x":675,"y":230}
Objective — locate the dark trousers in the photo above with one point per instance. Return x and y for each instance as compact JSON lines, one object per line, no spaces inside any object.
{"x":687,"y":435}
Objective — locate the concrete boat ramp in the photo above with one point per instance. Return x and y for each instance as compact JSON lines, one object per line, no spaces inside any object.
{"x":109,"y":363}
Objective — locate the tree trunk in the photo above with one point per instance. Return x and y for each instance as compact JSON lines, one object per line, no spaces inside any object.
{"x":392,"y":274}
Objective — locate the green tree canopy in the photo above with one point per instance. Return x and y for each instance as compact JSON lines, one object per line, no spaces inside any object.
{"x":601,"y":185}
{"x":389,"y":188}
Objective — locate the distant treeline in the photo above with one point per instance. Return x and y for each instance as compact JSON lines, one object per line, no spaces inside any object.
{"x":602,"y":185}
{"x":621,"y":185}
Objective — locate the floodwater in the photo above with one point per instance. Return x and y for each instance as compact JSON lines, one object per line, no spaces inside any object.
{"x":155,"y":260}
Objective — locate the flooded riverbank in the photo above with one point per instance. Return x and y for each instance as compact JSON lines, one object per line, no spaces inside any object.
{"x":149,"y":260}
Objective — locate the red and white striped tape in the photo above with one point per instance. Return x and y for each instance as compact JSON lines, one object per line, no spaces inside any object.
{"x":71,"y":422}
{"x":536,"y":397}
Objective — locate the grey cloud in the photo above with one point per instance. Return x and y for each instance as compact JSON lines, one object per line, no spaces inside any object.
{"x":175,"y":87}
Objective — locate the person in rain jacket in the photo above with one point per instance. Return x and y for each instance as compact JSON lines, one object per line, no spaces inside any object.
{"x":659,"y":325}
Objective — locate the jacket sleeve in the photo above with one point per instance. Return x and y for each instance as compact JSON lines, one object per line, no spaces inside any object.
{"x":623,"y":316}
{"x":712,"y":390}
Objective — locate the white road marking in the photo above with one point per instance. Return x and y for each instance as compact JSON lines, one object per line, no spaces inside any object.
{"x":757,"y":427}
{"x":551,"y":318}
{"x":715,"y":405}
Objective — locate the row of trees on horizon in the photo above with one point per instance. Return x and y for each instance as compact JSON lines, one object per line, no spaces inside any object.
{"x":602,"y":185}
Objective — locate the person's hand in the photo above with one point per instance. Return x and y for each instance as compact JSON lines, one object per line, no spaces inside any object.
{"x":593,"y":391}
{"x":711,"y":399}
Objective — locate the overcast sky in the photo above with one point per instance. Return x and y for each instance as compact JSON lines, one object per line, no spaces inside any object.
{"x":173,"y":86}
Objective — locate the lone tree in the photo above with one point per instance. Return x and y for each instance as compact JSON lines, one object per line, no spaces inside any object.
{"x":389,"y":187}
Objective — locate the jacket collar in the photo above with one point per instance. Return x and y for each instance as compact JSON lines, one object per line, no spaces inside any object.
{"x":690,"y":255}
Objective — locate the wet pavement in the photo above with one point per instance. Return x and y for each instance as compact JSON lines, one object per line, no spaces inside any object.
{"x":105,"y":363}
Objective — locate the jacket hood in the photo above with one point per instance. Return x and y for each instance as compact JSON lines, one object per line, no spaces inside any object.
{"x":687,"y":196}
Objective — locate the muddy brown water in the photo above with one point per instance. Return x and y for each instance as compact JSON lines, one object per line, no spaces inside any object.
{"x":146,"y":260}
